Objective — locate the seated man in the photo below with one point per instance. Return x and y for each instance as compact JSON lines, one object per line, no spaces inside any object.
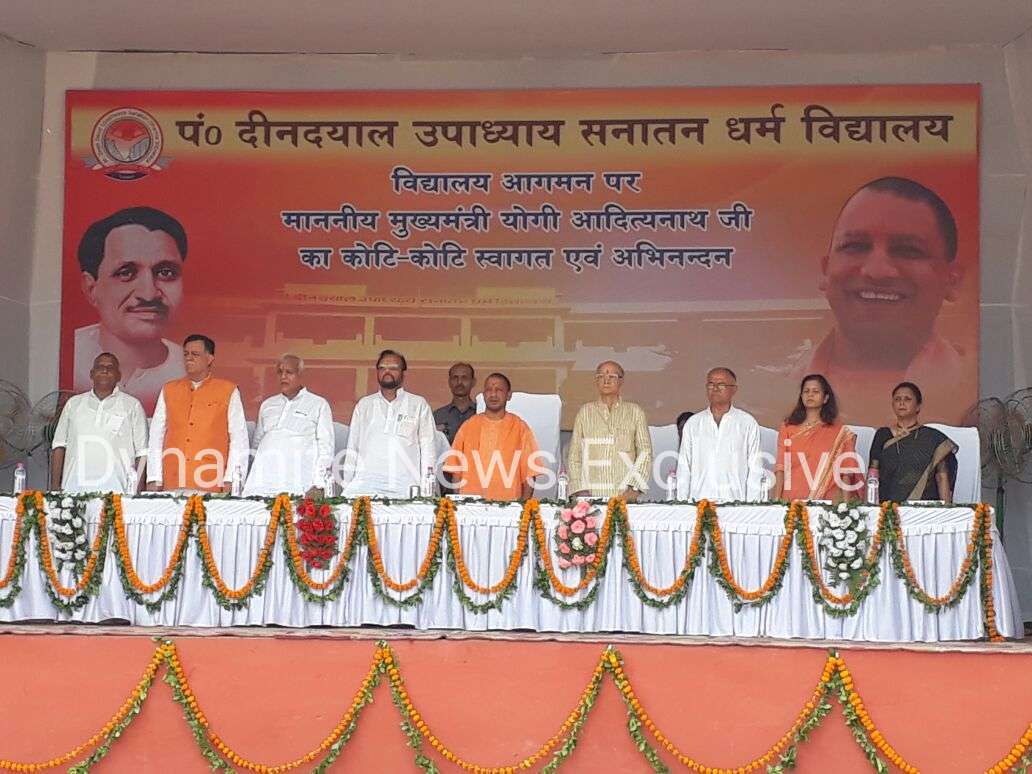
{"x":391,"y":443}
{"x":611,"y":450}
{"x":104,"y":432}
{"x":493,"y":453}
{"x":720,"y":449}
{"x":293,"y":438}
{"x":198,"y":435}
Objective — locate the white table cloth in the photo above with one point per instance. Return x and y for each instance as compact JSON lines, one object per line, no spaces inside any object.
{"x":935,"y":537}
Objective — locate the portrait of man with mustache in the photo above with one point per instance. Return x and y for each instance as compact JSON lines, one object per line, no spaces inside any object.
{"x":132,"y":274}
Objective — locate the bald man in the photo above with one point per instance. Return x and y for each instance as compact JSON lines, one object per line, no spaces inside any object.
{"x":720,"y":447}
{"x":293,"y":439}
{"x":611,"y":450}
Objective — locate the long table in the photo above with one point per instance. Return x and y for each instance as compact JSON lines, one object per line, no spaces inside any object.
{"x":936,"y":539}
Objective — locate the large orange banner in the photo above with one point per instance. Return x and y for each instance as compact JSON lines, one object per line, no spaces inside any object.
{"x":778,"y":231}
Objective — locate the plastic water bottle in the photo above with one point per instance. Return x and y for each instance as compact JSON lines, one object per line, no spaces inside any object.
{"x":19,"y":478}
{"x":429,"y":488}
{"x":562,"y":486}
{"x":872,"y":486}
{"x":671,"y":486}
{"x":237,"y":488}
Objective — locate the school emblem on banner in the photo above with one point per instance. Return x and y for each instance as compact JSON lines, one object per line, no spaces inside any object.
{"x":126,"y":145}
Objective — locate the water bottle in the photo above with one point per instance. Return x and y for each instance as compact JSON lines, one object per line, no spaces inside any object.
{"x":872,"y":486}
{"x":562,"y":488}
{"x":429,"y":488}
{"x":237,"y":488}
{"x":671,"y":486}
{"x":19,"y":478}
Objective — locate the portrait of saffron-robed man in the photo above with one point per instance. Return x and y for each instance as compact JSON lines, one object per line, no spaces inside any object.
{"x":131,"y":268}
{"x":891,"y":265}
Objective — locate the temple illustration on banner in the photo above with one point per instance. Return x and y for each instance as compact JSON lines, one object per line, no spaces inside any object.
{"x":544,"y":343}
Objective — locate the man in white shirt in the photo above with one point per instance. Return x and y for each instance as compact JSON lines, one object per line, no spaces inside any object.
{"x":100,"y":436}
{"x":293,"y":438}
{"x":720,"y":448}
{"x":198,"y":435}
{"x":391,"y":443}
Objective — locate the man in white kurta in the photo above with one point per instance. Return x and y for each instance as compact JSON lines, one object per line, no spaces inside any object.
{"x":391,"y":442}
{"x":720,"y":447}
{"x":100,"y":436}
{"x":293,"y":438}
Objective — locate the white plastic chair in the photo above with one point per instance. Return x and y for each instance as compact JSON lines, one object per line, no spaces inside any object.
{"x":968,"y":488}
{"x":864,"y":437}
{"x":340,"y":437}
{"x":664,"y":451}
{"x":542,"y":413}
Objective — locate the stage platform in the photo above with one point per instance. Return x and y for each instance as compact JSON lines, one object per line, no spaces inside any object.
{"x":493,"y":699}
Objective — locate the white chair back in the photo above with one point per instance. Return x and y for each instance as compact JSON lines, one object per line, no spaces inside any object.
{"x":340,"y":437}
{"x":769,"y":447}
{"x":664,"y":454}
{"x":542,"y":413}
{"x":864,"y":436}
{"x":968,"y":488}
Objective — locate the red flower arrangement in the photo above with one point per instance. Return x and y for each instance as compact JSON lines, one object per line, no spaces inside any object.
{"x":318,"y":527}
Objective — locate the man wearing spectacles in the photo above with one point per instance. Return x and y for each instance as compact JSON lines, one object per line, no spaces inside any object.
{"x":610,"y":451}
{"x":720,"y":447}
{"x":391,"y":442}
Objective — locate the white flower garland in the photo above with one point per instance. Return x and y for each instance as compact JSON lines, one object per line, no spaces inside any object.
{"x":843,"y":536}
{"x":67,"y":524}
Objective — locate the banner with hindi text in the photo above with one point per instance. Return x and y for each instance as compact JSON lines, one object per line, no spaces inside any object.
{"x":536,"y":233}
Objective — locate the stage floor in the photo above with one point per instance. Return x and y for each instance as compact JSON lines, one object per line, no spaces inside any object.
{"x":273,"y":694}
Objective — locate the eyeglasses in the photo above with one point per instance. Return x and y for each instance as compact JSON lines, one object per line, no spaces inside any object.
{"x":607,"y":377}
{"x":719,"y":386}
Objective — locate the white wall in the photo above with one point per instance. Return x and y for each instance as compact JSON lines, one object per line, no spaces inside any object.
{"x":21,"y":99}
{"x":1006,"y":147}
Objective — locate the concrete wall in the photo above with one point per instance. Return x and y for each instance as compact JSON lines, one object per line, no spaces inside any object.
{"x":1006,"y":146}
{"x":21,"y":101}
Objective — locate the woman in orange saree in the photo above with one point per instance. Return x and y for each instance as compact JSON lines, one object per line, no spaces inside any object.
{"x":816,"y":454}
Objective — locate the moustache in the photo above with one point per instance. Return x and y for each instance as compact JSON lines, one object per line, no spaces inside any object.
{"x":148,"y":306}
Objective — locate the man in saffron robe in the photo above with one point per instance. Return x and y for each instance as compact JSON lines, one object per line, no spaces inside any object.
{"x":494,"y":454}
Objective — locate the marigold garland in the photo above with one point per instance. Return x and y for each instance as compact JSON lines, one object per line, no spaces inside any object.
{"x":836,"y":681}
{"x":431,"y":550}
{"x":953,"y":593}
{"x":283,"y":509}
{"x":196,"y":507}
{"x":694,"y":551}
{"x":809,"y":547}
{"x":136,"y":696}
{"x":777,"y":571}
{"x":122,"y":542}
{"x":545,"y":554}
{"x":515,"y":559}
{"x":12,"y":562}
{"x":31,"y":516}
{"x":48,"y":559}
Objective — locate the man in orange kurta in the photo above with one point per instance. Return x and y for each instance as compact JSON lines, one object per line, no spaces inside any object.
{"x":494,"y":454}
{"x":198,"y":435}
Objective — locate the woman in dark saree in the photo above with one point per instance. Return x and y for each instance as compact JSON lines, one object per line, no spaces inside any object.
{"x":914,"y":462}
